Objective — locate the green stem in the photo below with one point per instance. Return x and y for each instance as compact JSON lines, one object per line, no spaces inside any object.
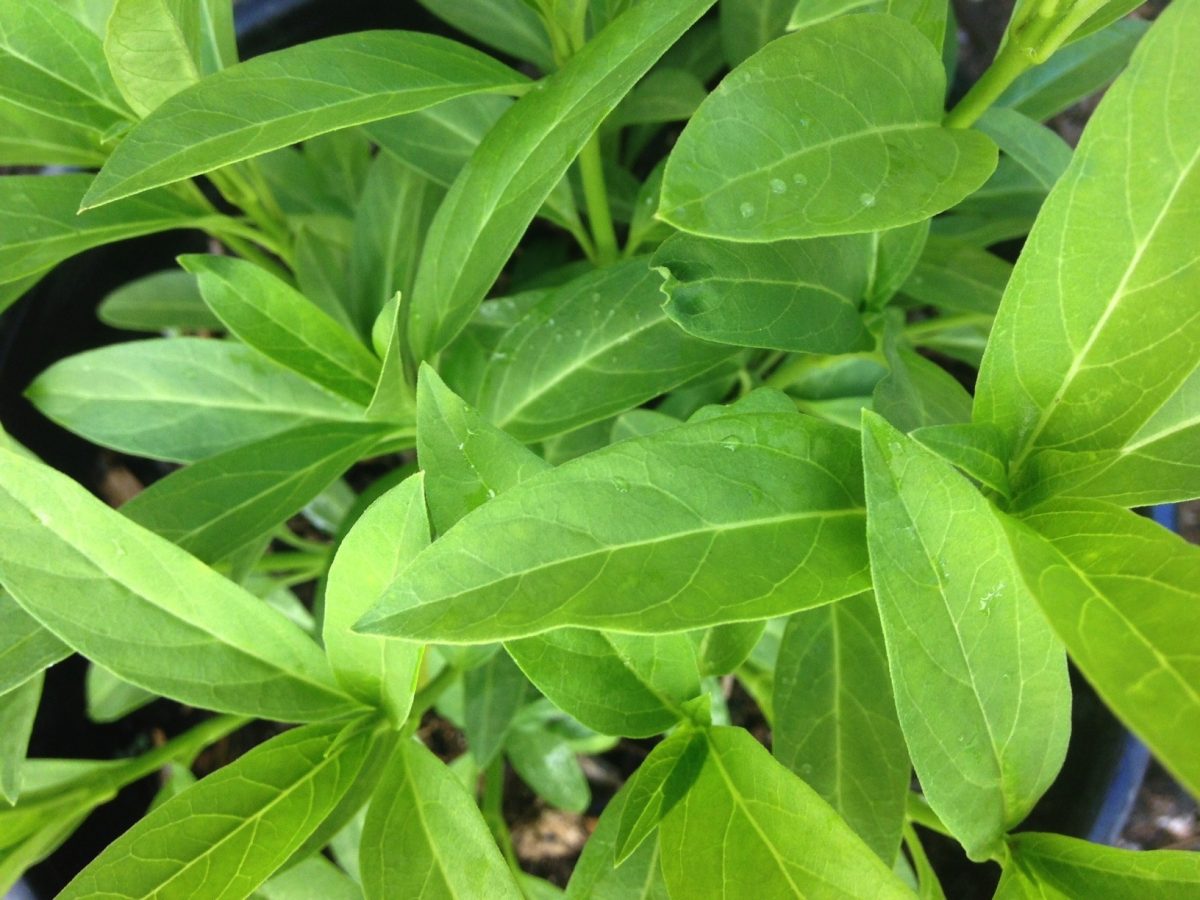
{"x":288,"y":562}
{"x":287,"y":536}
{"x":493,"y":810}
{"x":595,"y":193}
{"x":926,"y":876}
{"x":945,"y":323}
{"x":183,"y":749}
{"x":1010,"y":62}
{"x":230,"y":232}
{"x":918,"y":810}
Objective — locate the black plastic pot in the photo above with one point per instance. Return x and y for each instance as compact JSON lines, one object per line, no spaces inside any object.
{"x":1092,"y":797}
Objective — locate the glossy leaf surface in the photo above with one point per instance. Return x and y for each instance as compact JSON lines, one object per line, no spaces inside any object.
{"x":424,"y":836}
{"x":181,"y":399}
{"x":1060,"y":373}
{"x":835,"y":718}
{"x":253,"y":107}
{"x":243,"y":821}
{"x":762,"y":817}
{"x":980,"y":680}
{"x":392,"y":531}
{"x":148,"y":611}
{"x":493,"y":200}
{"x":791,"y":295}
{"x":797,"y":142}
{"x":679,"y":508}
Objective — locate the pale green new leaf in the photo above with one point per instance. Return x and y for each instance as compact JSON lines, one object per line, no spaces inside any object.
{"x":181,"y":399}
{"x":722,"y":648}
{"x":1121,"y":592}
{"x":646,"y":536}
{"x":218,"y":505}
{"x":152,"y":47}
{"x":1060,"y":372}
{"x":281,"y":98}
{"x":392,"y":531}
{"x":17,"y":710}
{"x":801,"y":296}
{"x":523,"y":158}
{"x":977,"y":449}
{"x":597,"y":346}
{"x":810,"y":12}
{"x":424,"y":836}
{"x":163,"y":301}
{"x":146,"y":610}
{"x":57,"y":98}
{"x":228,"y":833}
{"x":26,"y":647}
{"x":41,"y":226}
{"x":835,"y":129}
{"x":980,"y":680}
{"x":835,"y":718}
{"x":268,"y":315}
{"x":762,"y":820}
{"x":1052,"y":866}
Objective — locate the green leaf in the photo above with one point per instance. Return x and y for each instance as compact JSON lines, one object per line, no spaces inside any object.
{"x":393,"y":215}
{"x":392,"y":531}
{"x":292,"y":95}
{"x":801,"y":296}
{"x":795,"y":144}
{"x":57,"y":98}
{"x":763,"y":819}
{"x":215,"y":506}
{"x":146,"y":610}
{"x":466,"y":459}
{"x":153,"y":48}
{"x":163,"y":301}
{"x":109,"y":698}
{"x":242,"y":822}
{"x":1060,"y":373}
{"x":521,"y":160}
{"x":17,"y":710}
{"x":1120,"y":591}
{"x":510,"y":26}
{"x":810,"y":12}
{"x":670,"y":513}
{"x":40,"y":227}
{"x":927,"y":15}
{"x":314,"y":879}
{"x":835,"y":718}
{"x":181,"y":399}
{"x":980,"y":680}
{"x":977,"y":449}
{"x":597,"y":346}
{"x":958,"y":277}
{"x":279,"y":322}
{"x":1038,"y":149}
{"x":424,"y":836}
{"x":1050,"y":865}
{"x":1074,"y":72}
{"x":918,"y":392}
{"x":26,"y":648}
{"x":494,"y":692}
{"x":664,"y":95}
{"x":546,"y":762}
{"x":596,"y":875}
{"x":748,"y":25}
{"x":894,"y":255}
{"x":630,"y":685}
{"x":658,"y":784}
{"x":721,"y":649}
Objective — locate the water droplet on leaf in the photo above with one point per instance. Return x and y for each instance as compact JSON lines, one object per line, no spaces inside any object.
{"x":778,"y":186}
{"x":867,"y":200}
{"x":747,"y":210}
